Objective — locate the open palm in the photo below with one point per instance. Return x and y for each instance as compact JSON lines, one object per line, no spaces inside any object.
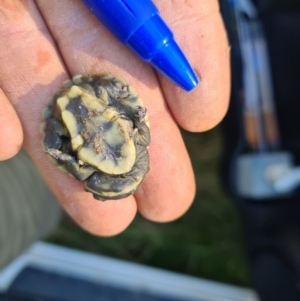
{"x":44,"y":43}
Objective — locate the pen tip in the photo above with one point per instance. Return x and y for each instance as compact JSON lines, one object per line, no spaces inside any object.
{"x":173,"y":64}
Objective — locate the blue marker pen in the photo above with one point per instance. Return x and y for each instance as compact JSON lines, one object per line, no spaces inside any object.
{"x":137,"y":23}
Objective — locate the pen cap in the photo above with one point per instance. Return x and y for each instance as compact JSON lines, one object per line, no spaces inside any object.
{"x":122,"y":17}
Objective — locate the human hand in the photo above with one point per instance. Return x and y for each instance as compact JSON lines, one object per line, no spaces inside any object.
{"x":43,"y":43}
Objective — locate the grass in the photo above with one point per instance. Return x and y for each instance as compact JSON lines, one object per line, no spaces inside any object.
{"x":206,"y":242}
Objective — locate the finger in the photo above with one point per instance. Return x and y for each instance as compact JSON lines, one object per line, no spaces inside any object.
{"x":199,"y":30}
{"x":169,"y":188}
{"x":11,"y":134}
{"x":86,"y":46}
{"x":30,"y":72}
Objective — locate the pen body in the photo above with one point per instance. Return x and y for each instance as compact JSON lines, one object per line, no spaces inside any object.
{"x":139,"y":25}
{"x":122,"y":17}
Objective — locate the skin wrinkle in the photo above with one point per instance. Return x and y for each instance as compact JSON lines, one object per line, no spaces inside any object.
{"x":180,"y":22}
{"x":9,"y":7}
{"x":205,"y":7}
{"x":23,"y":83}
{"x":14,"y":46}
{"x":77,"y":29}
